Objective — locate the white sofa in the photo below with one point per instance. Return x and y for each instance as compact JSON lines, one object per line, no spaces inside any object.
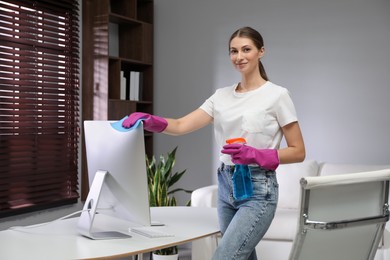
{"x":278,"y":240}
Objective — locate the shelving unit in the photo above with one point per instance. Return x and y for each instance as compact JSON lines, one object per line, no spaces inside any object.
{"x":117,"y":36}
{"x":128,"y":48}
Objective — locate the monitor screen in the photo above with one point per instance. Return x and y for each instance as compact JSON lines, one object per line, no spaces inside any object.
{"x":117,"y":175}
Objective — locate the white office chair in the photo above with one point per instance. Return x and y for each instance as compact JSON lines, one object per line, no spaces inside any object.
{"x":342,"y":217}
{"x":204,"y":197}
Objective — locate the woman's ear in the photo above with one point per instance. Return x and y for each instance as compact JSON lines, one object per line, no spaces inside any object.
{"x":261,"y":52}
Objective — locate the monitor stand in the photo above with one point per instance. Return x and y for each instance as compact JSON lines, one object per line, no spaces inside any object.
{"x":85,"y":223}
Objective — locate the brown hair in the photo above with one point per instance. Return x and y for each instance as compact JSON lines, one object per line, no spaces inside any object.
{"x":257,"y":39}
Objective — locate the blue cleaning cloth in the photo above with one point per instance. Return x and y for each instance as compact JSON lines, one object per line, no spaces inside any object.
{"x":118,"y":125}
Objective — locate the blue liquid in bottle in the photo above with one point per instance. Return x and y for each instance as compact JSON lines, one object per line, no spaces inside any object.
{"x":241,"y":178}
{"x":242,"y":182}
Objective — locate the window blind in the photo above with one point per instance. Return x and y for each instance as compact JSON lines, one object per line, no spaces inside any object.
{"x":39,"y":104}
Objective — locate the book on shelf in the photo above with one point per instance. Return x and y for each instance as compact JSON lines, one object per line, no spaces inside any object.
{"x":140,"y":85}
{"x":135,"y":85}
{"x":123,"y":89}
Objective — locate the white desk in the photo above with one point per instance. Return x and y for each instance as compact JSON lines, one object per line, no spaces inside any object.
{"x":60,"y":239}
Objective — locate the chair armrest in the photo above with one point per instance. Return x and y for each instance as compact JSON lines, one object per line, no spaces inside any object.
{"x":205,"y":197}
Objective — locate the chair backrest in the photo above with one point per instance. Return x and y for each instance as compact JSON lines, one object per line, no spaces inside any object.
{"x":342,"y":216}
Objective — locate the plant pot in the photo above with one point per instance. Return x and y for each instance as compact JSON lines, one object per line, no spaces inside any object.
{"x":165,"y":257}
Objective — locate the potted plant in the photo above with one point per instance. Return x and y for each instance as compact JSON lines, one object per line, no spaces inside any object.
{"x":161,"y":178}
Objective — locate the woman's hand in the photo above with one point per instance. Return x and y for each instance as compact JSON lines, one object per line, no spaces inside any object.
{"x":151,"y":123}
{"x":244,"y":154}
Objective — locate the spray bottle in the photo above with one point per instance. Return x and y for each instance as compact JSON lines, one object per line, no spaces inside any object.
{"x":241,"y":178}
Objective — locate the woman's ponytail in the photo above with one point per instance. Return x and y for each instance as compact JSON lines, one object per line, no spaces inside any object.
{"x":262,"y":71}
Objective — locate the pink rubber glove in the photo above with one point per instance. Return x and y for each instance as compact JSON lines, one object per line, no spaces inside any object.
{"x":151,"y":123}
{"x":244,"y":154}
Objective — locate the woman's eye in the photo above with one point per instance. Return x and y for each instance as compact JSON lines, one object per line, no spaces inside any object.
{"x":233,"y":51}
{"x":247,"y":50}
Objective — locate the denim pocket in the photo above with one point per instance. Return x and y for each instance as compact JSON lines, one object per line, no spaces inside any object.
{"x":265,"y":186}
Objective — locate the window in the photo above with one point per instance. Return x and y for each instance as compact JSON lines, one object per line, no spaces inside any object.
{"x":39,"y":104}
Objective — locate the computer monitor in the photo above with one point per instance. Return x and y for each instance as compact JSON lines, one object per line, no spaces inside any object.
{"x":117,"y":177}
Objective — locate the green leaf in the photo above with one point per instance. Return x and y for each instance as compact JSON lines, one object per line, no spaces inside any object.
{"x":167,"y":251}
{"x":175,"y":178}
{"x":179,"y":189}
{"x":161,"y":178}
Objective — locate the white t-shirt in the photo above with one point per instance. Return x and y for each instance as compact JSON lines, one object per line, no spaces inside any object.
{"x":256,"y":115}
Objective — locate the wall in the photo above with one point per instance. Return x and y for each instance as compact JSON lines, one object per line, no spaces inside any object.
{"x":333,"y":56}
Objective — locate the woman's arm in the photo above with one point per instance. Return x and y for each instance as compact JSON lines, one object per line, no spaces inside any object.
{"x":295,"y":150}
{"x":189,"y":123}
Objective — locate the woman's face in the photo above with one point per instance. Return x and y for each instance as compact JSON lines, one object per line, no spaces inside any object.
{"x":244,"y":55}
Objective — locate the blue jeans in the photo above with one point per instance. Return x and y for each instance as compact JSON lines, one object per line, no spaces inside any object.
{"x":243,"y":223}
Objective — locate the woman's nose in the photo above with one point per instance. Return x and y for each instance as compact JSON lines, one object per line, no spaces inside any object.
{"x":239,"y":56}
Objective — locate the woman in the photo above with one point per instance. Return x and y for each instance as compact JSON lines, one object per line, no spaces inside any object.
{"x":262,"y":113}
